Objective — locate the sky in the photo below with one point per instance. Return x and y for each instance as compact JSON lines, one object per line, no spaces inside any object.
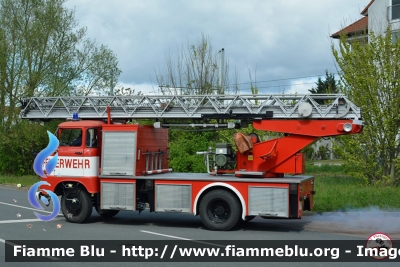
{"x":285,"y":44}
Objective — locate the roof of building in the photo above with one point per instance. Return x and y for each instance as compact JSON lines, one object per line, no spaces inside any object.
{"x":365,"y":10}
{"x":358,"y":27}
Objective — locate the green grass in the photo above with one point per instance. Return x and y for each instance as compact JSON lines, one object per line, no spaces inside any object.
{"x":326,"y":162}
{"x":325,"y":169}
{"x":337,"y":191}
{"x":25,"y":181}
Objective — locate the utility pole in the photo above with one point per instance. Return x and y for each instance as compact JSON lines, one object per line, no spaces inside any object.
{"x":221,"y":69}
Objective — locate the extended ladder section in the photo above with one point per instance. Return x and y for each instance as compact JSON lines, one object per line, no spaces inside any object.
{"x":283,"y":106}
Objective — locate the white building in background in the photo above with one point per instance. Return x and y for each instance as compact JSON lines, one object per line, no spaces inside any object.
{"x":376,"y":17}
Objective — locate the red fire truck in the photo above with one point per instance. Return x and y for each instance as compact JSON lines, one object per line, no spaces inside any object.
{"x":109,"y":162}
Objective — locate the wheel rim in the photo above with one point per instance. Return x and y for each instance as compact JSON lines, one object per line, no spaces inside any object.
{"x":73,"y":204}
{"x":218,"y":211}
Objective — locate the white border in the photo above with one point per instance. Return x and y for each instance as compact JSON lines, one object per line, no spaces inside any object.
{"x":224,"y":185}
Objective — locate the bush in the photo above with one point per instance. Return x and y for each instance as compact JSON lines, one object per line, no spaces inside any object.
{"x":323,"y":153}
{"x":309,"y":152}
{"x":20,"y":145}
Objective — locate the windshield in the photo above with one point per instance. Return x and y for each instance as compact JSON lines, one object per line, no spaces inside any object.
{"x":71,"y":137}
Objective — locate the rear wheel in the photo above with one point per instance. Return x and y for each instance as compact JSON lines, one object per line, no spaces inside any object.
{"x":220,"y":210}
{"x":76,"y":205}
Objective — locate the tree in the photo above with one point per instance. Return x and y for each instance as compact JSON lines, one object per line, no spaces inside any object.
{"x":253,"y":85}
{"x":184,"y":143}
{"x":328,"y":86}
{"x":193,"y":70}
{"x":44,"y":53}
{"x":370,"y":78}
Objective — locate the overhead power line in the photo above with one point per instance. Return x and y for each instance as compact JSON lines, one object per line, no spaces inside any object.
{"x":281,"y":85}
{"x":284,"y":79}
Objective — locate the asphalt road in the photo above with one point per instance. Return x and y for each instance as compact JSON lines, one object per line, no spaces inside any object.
{"x":18,"y":222}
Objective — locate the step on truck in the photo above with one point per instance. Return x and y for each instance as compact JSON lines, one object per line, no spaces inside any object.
{"x":109,"y":162}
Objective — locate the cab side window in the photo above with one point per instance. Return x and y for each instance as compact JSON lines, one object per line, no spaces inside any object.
{"x":91,"y":138}
{"x":71,"y":137}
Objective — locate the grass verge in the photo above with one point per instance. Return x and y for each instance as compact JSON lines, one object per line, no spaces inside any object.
{"x":337,"y":191}
{"x":25,"y":181}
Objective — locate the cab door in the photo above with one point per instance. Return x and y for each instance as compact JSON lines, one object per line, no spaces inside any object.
{"x":91,"y":152}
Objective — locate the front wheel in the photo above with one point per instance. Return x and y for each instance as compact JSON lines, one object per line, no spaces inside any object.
{"x":220,"y":210}
{"x":76,"y":205}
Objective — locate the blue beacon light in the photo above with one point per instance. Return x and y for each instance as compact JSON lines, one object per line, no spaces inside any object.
{"x":75,"y":116}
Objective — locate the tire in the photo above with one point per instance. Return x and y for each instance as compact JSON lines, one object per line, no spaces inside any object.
{"x":220,"y":210}
{"x":76,"y":205}
{"x":107,"y":213}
